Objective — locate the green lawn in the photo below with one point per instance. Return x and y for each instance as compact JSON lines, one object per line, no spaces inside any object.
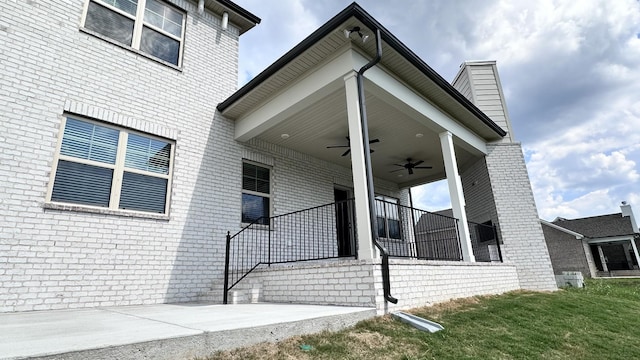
{"x":601,"y":321}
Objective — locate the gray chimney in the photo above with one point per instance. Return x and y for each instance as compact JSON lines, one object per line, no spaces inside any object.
{"x":627,"y":211}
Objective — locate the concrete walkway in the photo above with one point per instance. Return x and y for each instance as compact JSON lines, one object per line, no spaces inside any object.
{"x":166,"y":331}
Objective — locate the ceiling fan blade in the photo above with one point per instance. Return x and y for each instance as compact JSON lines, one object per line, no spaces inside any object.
{"x":346,"y":152}
{"x":392,"y":171}
{"x":423,"y":167}
{"x":374,"y":141}
{"x":418,"y":163}
{"x":399,"y":165}
{"x":337,"y":146}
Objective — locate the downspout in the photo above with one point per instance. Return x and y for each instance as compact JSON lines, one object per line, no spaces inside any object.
{"x":386,"y":284}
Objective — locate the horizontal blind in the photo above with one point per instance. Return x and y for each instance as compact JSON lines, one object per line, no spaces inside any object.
{"x":147,"y":154}
{"x":88,"y":141}
{"x":82,"y":184}
{"x":143,"y":193}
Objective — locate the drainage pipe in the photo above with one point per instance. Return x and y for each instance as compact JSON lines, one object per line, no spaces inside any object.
{"x":386,"y":284}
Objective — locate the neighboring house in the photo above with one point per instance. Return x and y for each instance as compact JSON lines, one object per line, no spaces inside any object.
{"x":128,"y":156}
{"x":605,"y":245}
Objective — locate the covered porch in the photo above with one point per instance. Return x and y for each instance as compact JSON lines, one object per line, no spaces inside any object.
{"x":615,"y":256}
{"x":378,"y":111}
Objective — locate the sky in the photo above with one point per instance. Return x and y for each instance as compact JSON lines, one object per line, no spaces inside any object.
{"x":570,"y":71}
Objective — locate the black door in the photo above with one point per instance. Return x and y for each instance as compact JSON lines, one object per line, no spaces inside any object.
{"x":343,"y":223}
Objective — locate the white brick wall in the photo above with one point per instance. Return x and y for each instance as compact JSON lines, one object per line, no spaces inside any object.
{"x":339,"y":282}
{"x":414,"y":283}
{"x":57,"y":258}
{"x":519,"y":225}
{"x":418,"y":283}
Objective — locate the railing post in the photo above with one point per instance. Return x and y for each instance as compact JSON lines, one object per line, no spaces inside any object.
{"x":226,"y":269}
{"x":269,"y":244}
{"x":495,"y":234}
{"x":459,"y":240}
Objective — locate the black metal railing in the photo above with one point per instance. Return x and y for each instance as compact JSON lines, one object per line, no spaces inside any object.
{"x":319,"y":233}
{"x":485,"y":242}
{"x":414,"y":233}
{"x":418,"y":234}
{"x":328,"y":232}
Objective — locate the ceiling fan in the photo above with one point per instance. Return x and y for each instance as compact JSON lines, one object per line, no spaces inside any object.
{"x":410,"y":166}
{"x":348,"y":146}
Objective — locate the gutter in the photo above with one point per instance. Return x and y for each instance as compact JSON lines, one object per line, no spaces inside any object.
{"x":386,"y":283}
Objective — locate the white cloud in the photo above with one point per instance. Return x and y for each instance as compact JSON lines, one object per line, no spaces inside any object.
{"x":432,"y":197}
{"x":283,"y":25}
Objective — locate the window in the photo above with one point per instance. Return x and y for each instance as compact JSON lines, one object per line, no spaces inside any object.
{"x":486,"y":232}
{"x":388,"y":217}
{"x":256,"y":194}
{"x":103,"y":166}
{"x":151,"y":26}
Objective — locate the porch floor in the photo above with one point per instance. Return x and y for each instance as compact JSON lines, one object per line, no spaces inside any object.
{"x":164,"y":331}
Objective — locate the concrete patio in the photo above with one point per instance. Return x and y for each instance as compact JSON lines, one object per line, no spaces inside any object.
{"x":165,"y":331}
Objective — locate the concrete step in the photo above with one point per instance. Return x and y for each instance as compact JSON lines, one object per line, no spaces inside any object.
{"x":241,"y":296}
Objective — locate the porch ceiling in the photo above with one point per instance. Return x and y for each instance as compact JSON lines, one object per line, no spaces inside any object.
{"x":324,"y":123}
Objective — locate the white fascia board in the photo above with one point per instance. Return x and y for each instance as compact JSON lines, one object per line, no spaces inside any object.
{"x":400,"y":96}
{"x":552,"y":225}
{"x":610,"y":239}
{"x":313,"y":87}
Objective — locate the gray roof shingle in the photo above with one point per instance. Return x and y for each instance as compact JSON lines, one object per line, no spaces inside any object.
{"x":598,"y":226}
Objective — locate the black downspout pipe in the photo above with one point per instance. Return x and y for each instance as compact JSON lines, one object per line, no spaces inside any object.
{"x":386,"y":284}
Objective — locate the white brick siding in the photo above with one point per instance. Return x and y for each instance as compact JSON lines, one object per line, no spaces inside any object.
{"x":340,"y":282}
{"x":418,"y":283}
{"x":56,"y":258}
{"x":519,"y":226}
{"x":414,"y":283}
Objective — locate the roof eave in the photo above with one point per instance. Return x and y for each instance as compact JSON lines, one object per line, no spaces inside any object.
{"x":354,"y":10}
{"x":239,"y":16}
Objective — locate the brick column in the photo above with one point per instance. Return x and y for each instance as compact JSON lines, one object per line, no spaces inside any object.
{"x":518,"y":221}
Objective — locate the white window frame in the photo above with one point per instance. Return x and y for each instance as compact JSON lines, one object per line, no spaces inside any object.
{"x":257,"y":193}
{"x":118,"y":168}
{"x":138,"y":24}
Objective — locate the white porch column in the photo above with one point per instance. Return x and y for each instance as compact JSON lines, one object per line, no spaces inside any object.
{"x":358,"y":169}
{"x":455,"y":192}
{"x":635,"y":251}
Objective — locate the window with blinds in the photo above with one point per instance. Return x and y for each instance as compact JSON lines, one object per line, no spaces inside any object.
{"x":151,"y":26}
{"x":103,"y":166}
{"x":256,"y":193}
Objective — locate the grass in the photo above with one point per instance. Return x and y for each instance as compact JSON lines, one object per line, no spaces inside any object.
{"x":601,"y":321}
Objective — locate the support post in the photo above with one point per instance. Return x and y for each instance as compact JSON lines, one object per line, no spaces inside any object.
{"x":456,"y":194}
{"x":635,"y":251}
{"x":603,"y":260}
{"x":226,"y":269}
{"x":358,"y":169}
